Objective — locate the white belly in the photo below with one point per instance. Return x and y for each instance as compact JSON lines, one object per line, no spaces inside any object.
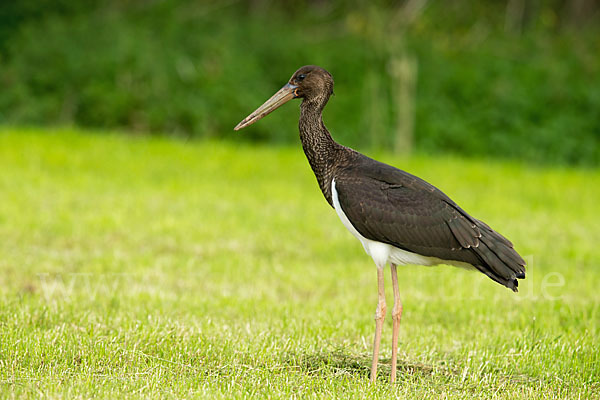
{"x":383,"y":253}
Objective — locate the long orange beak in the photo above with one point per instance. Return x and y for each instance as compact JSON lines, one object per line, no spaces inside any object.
{"x":282,"y":96}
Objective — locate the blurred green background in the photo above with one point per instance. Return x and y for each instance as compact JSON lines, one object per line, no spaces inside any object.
{"x":134,"y":263}
{"x":511,"y":79}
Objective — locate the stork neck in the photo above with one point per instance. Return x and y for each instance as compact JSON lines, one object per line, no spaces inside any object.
{"x":318,"y":145}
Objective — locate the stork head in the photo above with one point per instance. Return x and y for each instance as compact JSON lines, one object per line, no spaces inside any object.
{"x":310,"y":83}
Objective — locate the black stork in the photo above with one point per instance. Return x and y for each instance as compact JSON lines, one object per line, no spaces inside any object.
{"x":398,"y":217}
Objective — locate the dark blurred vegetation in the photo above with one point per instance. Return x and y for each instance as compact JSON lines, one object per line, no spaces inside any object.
{"x":513,"y":78}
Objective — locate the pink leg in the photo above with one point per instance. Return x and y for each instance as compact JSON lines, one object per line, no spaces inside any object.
{"x":396,"y":315}
{"x":379,"y":317}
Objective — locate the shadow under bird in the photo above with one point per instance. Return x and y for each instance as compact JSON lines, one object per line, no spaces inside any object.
{"x":398,"y":217}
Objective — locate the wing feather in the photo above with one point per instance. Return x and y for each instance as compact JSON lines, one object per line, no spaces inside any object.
{"x":391,"y":206}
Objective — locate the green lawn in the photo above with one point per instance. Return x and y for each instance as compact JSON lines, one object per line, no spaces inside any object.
{"x":151,"y":267}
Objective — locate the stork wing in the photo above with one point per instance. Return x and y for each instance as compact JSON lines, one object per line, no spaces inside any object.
{"x":391,"y":206}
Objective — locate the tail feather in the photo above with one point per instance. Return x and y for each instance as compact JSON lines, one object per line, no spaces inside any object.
{"x":497,"y":256}
{"x":511,"y":284}
{"x":499,"y":259}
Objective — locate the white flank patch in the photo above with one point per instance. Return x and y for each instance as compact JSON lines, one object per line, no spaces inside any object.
{"x":383,"y":253}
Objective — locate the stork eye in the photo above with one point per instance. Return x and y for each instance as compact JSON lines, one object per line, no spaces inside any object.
{"x":301,"y":77}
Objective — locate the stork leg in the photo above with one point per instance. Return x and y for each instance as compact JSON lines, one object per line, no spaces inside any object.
{"x":379,"y":317}
{"x":396,"y":315}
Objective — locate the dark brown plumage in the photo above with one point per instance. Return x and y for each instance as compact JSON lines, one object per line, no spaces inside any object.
{"x":387,"y":205}
{"x":392,"y":206}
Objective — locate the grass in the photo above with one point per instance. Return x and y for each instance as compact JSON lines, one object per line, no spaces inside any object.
{"x":149,"y":267}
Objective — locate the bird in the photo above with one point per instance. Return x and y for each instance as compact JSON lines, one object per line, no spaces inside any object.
{"x":399,"y":218}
